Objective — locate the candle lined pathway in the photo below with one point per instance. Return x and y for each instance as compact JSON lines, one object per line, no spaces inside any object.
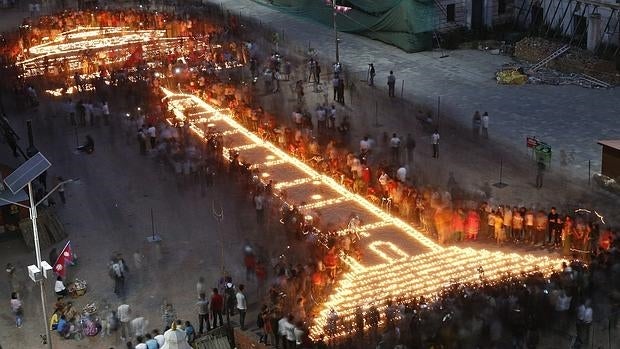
{"x":400,"y":260}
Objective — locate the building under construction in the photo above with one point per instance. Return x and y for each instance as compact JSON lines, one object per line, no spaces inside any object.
{"x":412,"y":24}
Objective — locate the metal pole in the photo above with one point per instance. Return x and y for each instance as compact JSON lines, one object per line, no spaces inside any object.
{"x":501,"y":170}
{"x":572,"y":37}
{"x":376,"y":114}
{"x":37,"y":249}
{"x":402,"y":88}
{"x":606,"y":26}
{"x":152,"y":224}
{"x":438,"y":108}
{"x":553,"y":18}
{"x":335,"y":30}
{"x":562,"y":20}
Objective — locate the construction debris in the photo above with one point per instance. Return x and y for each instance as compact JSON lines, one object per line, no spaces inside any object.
{"x":514,"y":74}
{"x":578,"y":66}
{"x":511,"y":76}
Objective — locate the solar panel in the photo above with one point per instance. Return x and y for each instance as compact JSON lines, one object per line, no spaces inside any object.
{"x":27,"y":172}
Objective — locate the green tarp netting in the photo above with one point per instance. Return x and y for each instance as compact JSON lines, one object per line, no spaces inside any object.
{"x":407,"y":24}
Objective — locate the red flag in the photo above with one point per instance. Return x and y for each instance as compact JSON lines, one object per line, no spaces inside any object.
{"x":65,"y":257}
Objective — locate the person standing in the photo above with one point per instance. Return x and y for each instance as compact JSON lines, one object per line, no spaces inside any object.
{"x":435,"y":143}
{"x":242,"y":306}
{"x":259,"y":204}
{"x":554,"y":229}
{"x":151,"y":343}
{"x":371,"y":75}
{"x":395,"y":148}
{"x":105,"y":109}
{"x":203,"y":313}
{"x":10,"y":273}
{"x":584,"y":323}
{"x":152,"y":132}
{"x":159,"y":338}
{"x":485,"y":125}
{"x":201,"y":287}
{"x":476,"y":123}
{"x":410,"y":146}
{"x":341,"y":90}
{"x":61,"y":193}
{"x":124,"y":317}
{"x":17,"y":309}
{"x":59,"y":287}
{"x":540,"y":169}
{"x":391,"y":81}
{"x":118,"y":269}
{"x":217,"y":306}
{"x":284,"y":325}
{"x":317,"y":72}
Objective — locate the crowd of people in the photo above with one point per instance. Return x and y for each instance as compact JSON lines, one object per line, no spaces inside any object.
{"x":472,"y":315}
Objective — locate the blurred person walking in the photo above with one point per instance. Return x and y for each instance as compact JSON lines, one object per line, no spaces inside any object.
{"x":17,"y":309}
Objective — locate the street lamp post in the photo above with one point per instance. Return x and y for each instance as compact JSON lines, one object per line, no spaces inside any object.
{"x":335,"y":13}
{"x":37,"y":248}
{"x":20,"y":178}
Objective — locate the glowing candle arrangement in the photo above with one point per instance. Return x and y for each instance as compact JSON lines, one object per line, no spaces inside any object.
{"x":68,"y":49}
{"x":398,"y":274}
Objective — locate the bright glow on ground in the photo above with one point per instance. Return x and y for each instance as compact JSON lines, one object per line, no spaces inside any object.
{"x":399,"y":274}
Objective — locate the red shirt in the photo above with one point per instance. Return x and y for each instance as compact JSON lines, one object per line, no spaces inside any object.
{"x":217,"y":302}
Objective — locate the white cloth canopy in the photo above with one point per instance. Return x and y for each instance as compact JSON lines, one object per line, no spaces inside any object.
{"x":175,"y":339}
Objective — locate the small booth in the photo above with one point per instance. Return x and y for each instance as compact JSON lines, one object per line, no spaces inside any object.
{"x":610,"y":166}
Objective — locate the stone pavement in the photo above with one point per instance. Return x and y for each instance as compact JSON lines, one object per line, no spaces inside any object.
{"x":568,"y":118}
{"x":108,"y":211}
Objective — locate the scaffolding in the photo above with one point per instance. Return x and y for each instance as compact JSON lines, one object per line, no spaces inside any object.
{"x":567,"y":20}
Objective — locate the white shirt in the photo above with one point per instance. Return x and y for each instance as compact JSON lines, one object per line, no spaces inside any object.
{"x":259,"y":202}
{"x":141,"y":346}
{"x":106,"y":111}
{"x":138,"y":326}
{"x":563,"y":303}
{"x":282,"y":326}
{"x":401,"y":174}
{"x":320,"y":114}
{"x":395,"y":142}
{"x":152,"y":131}
{"x":289,"y":330}
{"x":241,"y":303}
{"x":584,"y":314}
{"x":435,"y":138}
{"x":383,"y":179}
{"x":160,"y":340}
{"x":123,"y":313}
{"x":59,"y":286}
{"x":485,"y":121}
{"x":364,"y":145}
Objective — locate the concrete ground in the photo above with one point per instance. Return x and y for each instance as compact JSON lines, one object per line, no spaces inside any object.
{"x":568,"y":118}
{"x":109,"y":211}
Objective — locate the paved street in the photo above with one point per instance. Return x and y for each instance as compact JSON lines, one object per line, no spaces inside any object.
{"x":108,"y":211}
{"x":568,"y":118}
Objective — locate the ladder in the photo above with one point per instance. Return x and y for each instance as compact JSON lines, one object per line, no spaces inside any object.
{"x":436,"y":34}
{"x":595,"y":81}
{"x":548,"y":59}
